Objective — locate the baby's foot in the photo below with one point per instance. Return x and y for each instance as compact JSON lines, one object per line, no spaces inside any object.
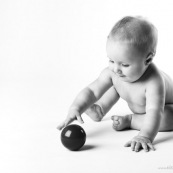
{"x":95,"y":112}
{"x":121,"y":122}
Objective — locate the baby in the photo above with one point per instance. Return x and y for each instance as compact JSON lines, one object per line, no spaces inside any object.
{"x":131,"y":75}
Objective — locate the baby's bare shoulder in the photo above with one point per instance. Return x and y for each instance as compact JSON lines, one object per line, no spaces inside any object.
{"x":158,"y":77}
{"x":154,"y":76}
{"x":167,"y":79}
{"x":106,"y":73}
{"x":168,"y":87}
{"x":160,"y":86}
{"x":154,"y":81}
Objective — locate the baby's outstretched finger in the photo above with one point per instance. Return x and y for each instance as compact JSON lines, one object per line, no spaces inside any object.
{"x":151,"y":146}
{"x":68,"y":121}
{"x":64,"y":123}
{"x":128,"y":144}
{"x":61,"y":126}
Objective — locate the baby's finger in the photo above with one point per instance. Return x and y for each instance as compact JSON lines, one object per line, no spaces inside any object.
{"x":133,"y":145}
{"x":144,"y":146}
{"x":151,"y":146}
{"x":137,"y":146}
{"x":68,"y":121}
{"x":79,"y":119}
{"x":128,"y":144}
{"x":60,"y":126}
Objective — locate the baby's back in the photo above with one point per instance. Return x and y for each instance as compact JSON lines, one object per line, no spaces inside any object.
{"x":168,"y":87}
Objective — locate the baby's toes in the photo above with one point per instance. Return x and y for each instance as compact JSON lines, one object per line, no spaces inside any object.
{"x":115,"y":125}
{"x":116,"y":122}
{"x":115,"y":118}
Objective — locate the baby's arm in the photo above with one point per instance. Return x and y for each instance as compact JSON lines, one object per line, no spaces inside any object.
{"x":155,"y":102}
{"x":87,"y":97}
{"x":109,"y":98}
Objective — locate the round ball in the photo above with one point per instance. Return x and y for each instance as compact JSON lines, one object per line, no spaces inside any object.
{"x":73,"y":137}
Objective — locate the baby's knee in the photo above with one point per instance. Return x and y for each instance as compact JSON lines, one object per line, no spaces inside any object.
{"x":97,"y":119}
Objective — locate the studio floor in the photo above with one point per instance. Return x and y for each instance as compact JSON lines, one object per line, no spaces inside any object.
{"x":30,"y":141}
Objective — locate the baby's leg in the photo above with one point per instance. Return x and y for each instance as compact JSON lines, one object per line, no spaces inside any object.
{"x":166,"y":123}
{"x":98,"y":110}
{"x":167,"y":119}
{"x":135,"y":121}
{"x":108,"y":100}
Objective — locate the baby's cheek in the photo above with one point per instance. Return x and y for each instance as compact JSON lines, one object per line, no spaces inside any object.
{"x":110,"y":67}
{"x":134,"y":74}
{"x":129,"y":73}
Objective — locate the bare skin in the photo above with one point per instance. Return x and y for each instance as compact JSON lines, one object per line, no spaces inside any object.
{"x":135,"y":120}
{"x":133,"y":77}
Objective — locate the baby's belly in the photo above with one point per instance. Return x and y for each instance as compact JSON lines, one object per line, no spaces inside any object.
{"x":137,"y":109}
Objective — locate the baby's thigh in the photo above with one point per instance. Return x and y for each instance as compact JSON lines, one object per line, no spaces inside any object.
{"x":168,"y":110}
{"x":167,"y":118}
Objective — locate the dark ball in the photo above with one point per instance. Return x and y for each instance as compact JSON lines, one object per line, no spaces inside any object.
{"x":73,"y":137}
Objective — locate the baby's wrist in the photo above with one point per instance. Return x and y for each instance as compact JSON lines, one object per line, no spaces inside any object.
{"x":73,"y":108}
{"x":145,"y":136}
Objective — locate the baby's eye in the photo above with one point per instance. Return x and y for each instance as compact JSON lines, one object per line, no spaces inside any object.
{"x":125,"y":65}
{"x":111,"y":61}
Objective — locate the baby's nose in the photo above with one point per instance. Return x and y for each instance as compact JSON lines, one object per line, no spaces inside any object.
{"x":117,"y":70}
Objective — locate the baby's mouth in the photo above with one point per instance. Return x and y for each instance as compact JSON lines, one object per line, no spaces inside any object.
{"x":120,"y":75}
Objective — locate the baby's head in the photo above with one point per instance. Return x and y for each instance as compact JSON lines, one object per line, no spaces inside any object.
{"x":138,"y":32}
{"x":131,"y":45}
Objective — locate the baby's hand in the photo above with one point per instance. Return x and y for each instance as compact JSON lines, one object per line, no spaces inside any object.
{"x":139,"y":142}
{"x":72,"y":115}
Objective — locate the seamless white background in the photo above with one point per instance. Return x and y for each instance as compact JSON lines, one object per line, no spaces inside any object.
{"x":49,"y":51}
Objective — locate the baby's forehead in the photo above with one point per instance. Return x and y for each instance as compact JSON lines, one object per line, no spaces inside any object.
{"x":122,"y":50}
{"x":124,"y":45}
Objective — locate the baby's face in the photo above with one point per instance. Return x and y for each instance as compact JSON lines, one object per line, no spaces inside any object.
{"x":125,"y":61}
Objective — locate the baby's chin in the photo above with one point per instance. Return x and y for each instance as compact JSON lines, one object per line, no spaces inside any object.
{"x":128,"y":79}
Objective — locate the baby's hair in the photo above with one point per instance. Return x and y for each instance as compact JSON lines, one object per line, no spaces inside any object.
{"x":137,"y":31}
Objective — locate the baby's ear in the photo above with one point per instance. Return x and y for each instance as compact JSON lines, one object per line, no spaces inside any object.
{"x":149,"y":58}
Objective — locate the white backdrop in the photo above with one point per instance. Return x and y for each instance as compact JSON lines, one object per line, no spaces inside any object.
{"x":59,"y":45}
{"x":49,"y":51}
